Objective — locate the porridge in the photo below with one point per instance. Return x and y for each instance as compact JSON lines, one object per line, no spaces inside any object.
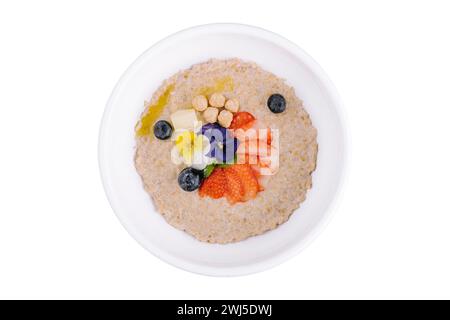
{"x":225,"y":150}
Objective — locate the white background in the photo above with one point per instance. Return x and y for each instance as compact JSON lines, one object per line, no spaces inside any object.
{"x":389,"y":238}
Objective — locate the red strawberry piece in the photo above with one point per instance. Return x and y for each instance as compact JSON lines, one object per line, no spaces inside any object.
{"x":248,"y":180}
{"x":242,"y":120}
{"x":215,"y":185}
{"x":235,"y":189}
{"x":243,"y":158}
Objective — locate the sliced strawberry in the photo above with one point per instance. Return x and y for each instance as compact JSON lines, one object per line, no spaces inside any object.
{"x":248,"y":180}
{"x":248,"y":147}
{"x":262,"y":182}
{"x":243,"y":158}
{"x":215,"y":185}
{"x":251,"y":152}
{"x":242,"y":120}
{"x":268,"y":165}
{"x":235,"y":189}
{"x":263,"y":133}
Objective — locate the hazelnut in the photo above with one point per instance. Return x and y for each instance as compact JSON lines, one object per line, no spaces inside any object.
{"x":225,"y":118}
{"x":232,"y":105}
{"x":200,"y":103}
{"x":217,"y":100}
{"x":210,"y":114}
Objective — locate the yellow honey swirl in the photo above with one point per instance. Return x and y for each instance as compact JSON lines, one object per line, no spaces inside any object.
{"x":153,"y":112}
{"x":221,"y":85}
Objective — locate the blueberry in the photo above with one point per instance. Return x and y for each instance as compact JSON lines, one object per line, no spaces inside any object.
{"x":190,"y":179}
{"x":162,"y":130}
{"x":276,"y":103}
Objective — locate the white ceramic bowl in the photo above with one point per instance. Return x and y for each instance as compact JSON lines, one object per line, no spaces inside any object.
{"x":124,"y":187}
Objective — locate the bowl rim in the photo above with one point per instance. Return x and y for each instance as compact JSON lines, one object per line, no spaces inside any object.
{"x":334,"y":202}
